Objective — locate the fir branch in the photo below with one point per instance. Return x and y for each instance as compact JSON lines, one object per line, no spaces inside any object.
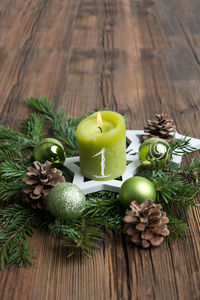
{"x":64,"y":127}
{"x":144,"y":172}
{"x":104,"y":208}
{"x":174,"y":192}
{"x":76,"y":234}
{"x":42,"y":105}
{"x":15,"y":157}
{"x":11,"y":174}
{"x":11,"y":169}
{"x":9,"y":133}
{"x":21,"y":157}
{"x":190,"y":173}
{"x":9,"y":154}
{"x":102,"y":212}
{"x":177,"y":229}
{"x":181,"y":146}
{"x":80,"y":236}
{"x":11,"y":139}
{"x":175,"y":195}
{"x":33,"y":127}
{"x":11,"y":190}
{"x":18,"y":224}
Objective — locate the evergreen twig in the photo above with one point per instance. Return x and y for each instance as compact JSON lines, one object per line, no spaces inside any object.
{"x":177,"y":229}
{"x":64,"y":127}
{"x":181,"y":146}
{"x":33,"y":127}
{"x":11,"y":173}
{"x":190,"y":173}
{"x":11,"y":139}
{"x":102,"y":212}
{"x":18,"y":224}
{"x":11,"y":190}
{"x":175,"y":193}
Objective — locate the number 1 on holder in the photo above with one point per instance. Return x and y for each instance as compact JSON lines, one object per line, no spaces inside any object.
{"x":102,"y":153}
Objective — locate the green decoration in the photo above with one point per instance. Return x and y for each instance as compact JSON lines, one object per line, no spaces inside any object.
{"x":63,"y":127}
{"x":177,"y":190}
{"x":136,"y":188}
{"x":49,"y":149}
{"x":66,"y":201}
{"x":155,"y":153}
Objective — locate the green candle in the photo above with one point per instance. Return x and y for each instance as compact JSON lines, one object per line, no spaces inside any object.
{"x":102,"y":146}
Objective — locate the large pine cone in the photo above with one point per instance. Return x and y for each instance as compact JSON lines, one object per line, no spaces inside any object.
{"x":161,"y":127}
{"x":146,"y":224}
{"x":40,"y":180}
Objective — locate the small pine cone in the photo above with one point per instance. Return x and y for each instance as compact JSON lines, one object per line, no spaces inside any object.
{"x":39,"y":182}
{"x":145,"y":224}
{"x":160,"y":128}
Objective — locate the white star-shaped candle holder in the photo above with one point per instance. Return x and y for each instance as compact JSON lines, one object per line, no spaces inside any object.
{"x":132,"y":161}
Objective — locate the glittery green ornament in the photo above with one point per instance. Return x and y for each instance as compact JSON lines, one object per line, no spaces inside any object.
{"x":155,"y":153}
{"x":66,"y":201}
{"x":49,"y":149}
{"x":136,"y":188}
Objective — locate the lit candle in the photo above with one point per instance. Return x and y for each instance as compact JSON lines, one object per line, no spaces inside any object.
{"x":102,"y":145}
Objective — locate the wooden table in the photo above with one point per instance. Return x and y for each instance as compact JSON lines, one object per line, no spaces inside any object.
{"x":138,"y":57}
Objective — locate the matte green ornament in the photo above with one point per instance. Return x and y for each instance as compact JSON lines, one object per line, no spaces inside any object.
{"x":155,"y":153}
{"x":136,"y":188}
{"x":66,"y":201}
{"x":49,"y":149}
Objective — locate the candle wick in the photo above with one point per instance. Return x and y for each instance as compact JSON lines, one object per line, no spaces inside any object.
{"x":100,"y":129}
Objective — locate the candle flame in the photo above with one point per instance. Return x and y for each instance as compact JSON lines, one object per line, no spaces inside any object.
{"x":99,"y":119}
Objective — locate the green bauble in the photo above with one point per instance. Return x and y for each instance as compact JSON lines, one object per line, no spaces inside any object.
{"x":155,"y":153}
{"x":66,"y":201}
{"x":51,"y":150}
{"x":136,"y":188}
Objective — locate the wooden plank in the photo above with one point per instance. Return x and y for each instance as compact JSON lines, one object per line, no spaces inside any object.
{"x":138,"y":57}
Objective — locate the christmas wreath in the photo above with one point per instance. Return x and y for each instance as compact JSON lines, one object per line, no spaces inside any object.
{"x":36,"y":189}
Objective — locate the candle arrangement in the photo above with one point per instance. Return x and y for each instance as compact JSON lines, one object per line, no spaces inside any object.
{"x":40,"y":194}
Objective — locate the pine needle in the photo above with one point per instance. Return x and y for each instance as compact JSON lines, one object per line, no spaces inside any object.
{"x":177,"y":229}
{"x":33,"y":127}
{"x":13,"y":140}
{"x":181,"y":146}
{"x":102,"y":212}
{"x":18,"y":224}
{"x":63,"y":127}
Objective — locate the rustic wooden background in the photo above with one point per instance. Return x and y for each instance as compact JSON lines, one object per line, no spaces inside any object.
{"x":138,"y":57}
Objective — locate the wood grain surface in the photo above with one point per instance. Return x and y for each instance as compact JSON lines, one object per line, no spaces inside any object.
{"x":138,"y":57}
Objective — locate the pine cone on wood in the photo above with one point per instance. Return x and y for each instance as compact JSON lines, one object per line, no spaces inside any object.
{"x":145,"y":224}
{"x":161,"y":127}
{"x":40,"y":180}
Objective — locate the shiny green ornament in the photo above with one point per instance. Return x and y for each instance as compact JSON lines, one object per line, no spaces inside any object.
{"x":155,"y":153}
{"x":66,"y":201}
{"x":51,"y":150}
{"x":136,"y":188}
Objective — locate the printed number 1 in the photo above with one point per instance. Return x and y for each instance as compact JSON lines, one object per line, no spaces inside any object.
{"x":102,"y":153}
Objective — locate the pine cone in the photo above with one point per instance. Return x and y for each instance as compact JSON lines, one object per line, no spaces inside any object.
{"x":146,"y":224}
{"x":40,"y":180}
{"x":161,"y":128}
